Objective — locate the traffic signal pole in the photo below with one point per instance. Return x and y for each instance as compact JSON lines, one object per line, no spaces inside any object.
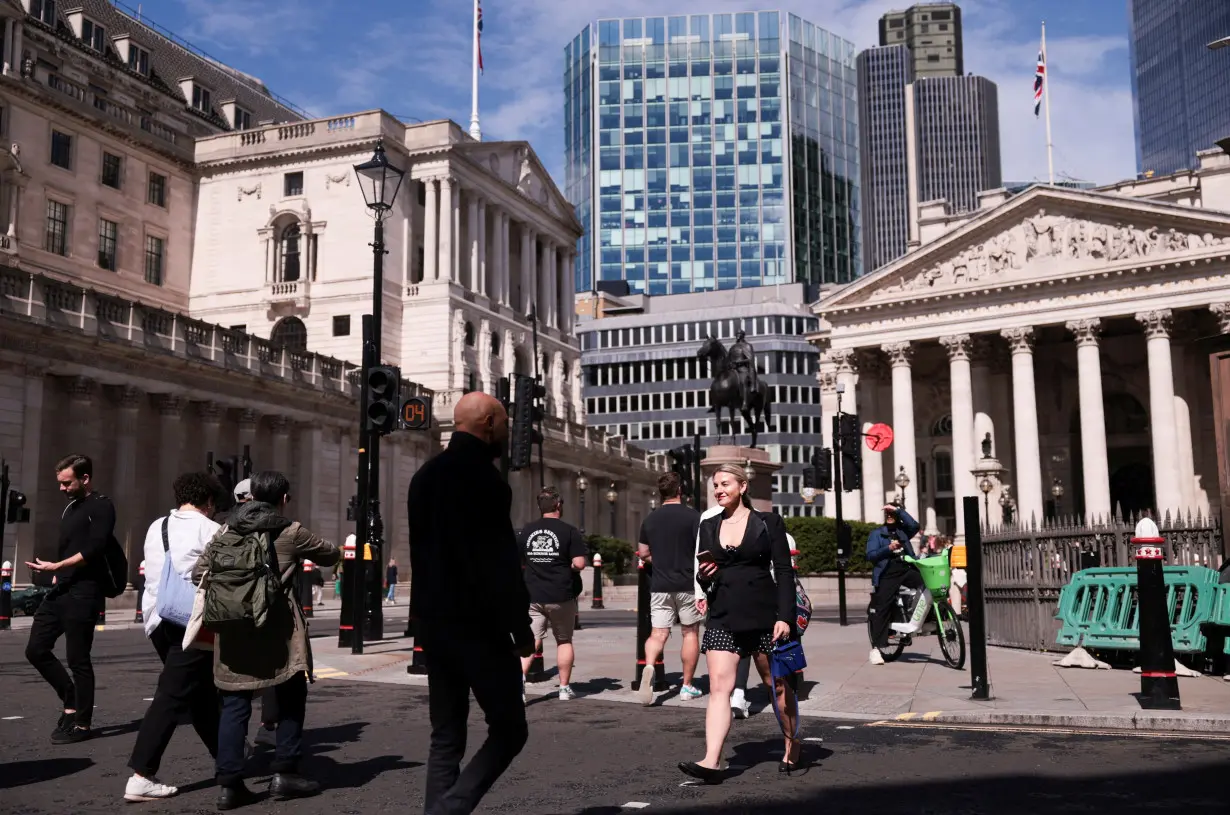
{"x":843,"y":551}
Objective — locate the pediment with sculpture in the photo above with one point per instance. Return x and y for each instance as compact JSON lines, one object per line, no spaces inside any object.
{"x":515,"y":164}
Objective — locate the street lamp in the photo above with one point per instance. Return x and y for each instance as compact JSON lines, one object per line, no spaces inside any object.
{"x":986,"y":485}
{"x":612,"y":496}
{"x":749,"y":472}
{"x":653,"y":503}
{"x":582,"y":486}
{"x":1057,"y":493}
{"x":1007,"y":504}
{"x":379,"y":181}
{"x":902,"y":480}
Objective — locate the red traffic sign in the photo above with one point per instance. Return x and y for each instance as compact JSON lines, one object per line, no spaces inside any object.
{"x":879,"y":437}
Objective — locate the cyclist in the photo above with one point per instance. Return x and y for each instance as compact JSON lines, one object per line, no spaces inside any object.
{"x":886,"y":546}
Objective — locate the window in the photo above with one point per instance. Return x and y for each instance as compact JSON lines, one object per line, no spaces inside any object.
{"x":341,"y":325}
{"x":200,"y":98}
{"x":44,"y":11}
{"x":138,"y":59}
{"x":291,"y":241}
{"x":108,"y":232}
{"x":57,"y":228}
{"x":61,"y":150}
{"x":157,"y":190}
{"x":290,"y":333}
{"x":293,"y":184}
{"x":111,"y":170}
{"x":94,"y":35}
{"x":154,"y":250}
{"x":243,"y":119}
{"x":242,"y":328}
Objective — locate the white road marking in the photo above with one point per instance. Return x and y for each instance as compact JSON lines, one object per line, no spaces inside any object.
{"x":634,"y":805}
{"x":12,"y":718}
{"x":816,"y":739}
{"x":150,"y":699}
{"x":844,"y":727}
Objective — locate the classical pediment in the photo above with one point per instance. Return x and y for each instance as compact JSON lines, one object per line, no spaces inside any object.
{"x":1043,"y":234}
{"x":516,"y":164}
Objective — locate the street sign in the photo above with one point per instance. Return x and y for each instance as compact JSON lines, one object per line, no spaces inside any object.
{"x":416,"y":413}
{"x":879,"y":437}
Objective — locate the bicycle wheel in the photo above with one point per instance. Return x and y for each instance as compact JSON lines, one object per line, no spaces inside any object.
{"x":952,"y":636}
{"x":896,"y":642}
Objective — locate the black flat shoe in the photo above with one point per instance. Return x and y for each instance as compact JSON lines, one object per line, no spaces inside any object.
{"x":787,"y":768}
{"x":235,"y":797}
{"x":290,"y":785}
{"x":705,"y":774}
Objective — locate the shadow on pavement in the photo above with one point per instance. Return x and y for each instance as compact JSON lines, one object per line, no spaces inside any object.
{"x":336,"y":775}
{"x":328,"y":739}
{"x":20,"y":773}
{"x":108,"y":730}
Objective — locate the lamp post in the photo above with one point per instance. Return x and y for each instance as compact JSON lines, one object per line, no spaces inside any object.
{"x":902,"y":481}
{"x":582,"y":486}
{"x":612,"y":496}
{"x":986,"y":485}
{"x":653,"y":503}
{"x":1007,"y":504}
{"x":1057,"y":494}
{"x":380,"y":181}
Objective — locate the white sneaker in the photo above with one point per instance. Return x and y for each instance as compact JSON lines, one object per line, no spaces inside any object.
{"x":876,"y":657}
{"x":645,"y":692}
{"x":566,"y":692}
{"x":140,"y":788}
{"x":906,"y":628}
{"x":739,"y":705}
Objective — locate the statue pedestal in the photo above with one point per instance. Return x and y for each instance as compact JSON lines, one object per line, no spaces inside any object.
{"x":760,"y":489}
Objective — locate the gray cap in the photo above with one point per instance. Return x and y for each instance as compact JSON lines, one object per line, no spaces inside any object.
{"x":243,"y":490}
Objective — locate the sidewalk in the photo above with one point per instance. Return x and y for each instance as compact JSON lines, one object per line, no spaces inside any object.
{"x":840,"y":683}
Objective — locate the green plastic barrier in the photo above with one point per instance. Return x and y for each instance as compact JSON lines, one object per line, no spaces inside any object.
{"x":1098,"y":607}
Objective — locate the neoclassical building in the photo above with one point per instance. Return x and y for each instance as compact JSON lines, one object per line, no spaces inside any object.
{"x":1045,"y":343}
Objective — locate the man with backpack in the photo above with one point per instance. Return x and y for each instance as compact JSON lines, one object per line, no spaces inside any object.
{"x":84,"y":580}
{"x":261,"y":642}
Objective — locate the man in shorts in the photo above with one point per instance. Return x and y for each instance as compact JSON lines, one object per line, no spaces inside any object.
{"x":668,"y":542}
{"x":554,"y":552}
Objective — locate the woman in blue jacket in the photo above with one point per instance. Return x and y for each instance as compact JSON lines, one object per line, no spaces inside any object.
{"x":886,"y":546}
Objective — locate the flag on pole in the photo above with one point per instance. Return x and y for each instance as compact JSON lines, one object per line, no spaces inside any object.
{"x":1039,"y":81}
{"x":479,"y":23}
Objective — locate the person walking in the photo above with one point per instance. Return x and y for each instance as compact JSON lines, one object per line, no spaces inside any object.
{"x":173,"y":545}
{"x":667,"y":542}
{"x":71,"y":608}
{"x":275,"y":655}
{"x":886,"y":545}
{"x":751,"y":608}
{"x":469,"y":598}
{"x":555,"y":553}
{"x":390,"y":581}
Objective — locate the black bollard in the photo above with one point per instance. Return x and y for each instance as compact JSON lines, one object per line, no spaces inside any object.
{"x":1159,"y":685}
{"x":6,"y":596}
{"x":305,"y":588}
{"x":597,"y":601}
{"x":418,"y":659}
{"x":643,"y":629}
{"x":537,"y":671}
{"x":975,"y":609}
{"x":139,"y":617}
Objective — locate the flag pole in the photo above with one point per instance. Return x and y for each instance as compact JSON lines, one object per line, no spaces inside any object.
{"x":1046,"y":100}
{"x":475,"y":131}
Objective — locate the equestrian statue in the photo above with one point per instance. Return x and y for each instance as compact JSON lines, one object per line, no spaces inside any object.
{"x":736,"y":385}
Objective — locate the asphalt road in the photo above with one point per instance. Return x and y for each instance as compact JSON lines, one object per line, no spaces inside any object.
{"x":367,"y":744}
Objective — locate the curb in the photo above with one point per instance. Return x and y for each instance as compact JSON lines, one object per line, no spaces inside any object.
{"x":1140,"y":722}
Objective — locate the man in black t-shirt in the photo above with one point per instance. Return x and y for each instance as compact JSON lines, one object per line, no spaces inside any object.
{"x":554,"y":552}
{"x":668,"y":542}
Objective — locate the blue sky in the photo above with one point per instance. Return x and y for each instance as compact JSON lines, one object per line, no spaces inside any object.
{"x":412,"y":58}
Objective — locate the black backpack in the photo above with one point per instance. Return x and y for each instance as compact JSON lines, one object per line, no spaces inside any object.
{"x":114,"y":579}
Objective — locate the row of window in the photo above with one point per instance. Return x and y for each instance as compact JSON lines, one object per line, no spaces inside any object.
{"x":681,"y":400}
{"x":795,"y":363}
{"x":694,"y":332}
{"x":56,"y":241}
{"x":686,"y":428}
{"x":62,"y":155}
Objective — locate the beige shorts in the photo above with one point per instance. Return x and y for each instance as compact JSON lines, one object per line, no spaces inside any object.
{"x":561,"y":617}
{"x":669,"y":607}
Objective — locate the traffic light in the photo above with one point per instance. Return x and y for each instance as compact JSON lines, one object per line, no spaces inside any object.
{"x":682,"y":459}
{"x":352,"y":508}
{"x":227,"y":470}
{"x":847,"y":428}
{"x":18,"y":513}
{"x":383,"y":386}
{"x":823,"y":462}
{"x":849,"y":442}
{"x":527,"y":413}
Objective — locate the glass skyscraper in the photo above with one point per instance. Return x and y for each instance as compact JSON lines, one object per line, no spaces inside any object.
{"x":726,"y":152}
{"x":1180,"y":89}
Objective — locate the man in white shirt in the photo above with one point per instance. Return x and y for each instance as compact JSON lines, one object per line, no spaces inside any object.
{"x":186,"y":684}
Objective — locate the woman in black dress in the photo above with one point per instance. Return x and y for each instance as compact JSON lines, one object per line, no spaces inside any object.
{"x":749,"y":611}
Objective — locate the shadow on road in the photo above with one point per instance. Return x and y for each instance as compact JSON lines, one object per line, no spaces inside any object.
{"x":335,"y":775}
{"x":328,"y":739}
{"x":20,"y":773}
{"x":108,"y":730}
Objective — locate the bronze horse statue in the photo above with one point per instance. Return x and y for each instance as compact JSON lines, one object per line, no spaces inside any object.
{"x":724,"y":392}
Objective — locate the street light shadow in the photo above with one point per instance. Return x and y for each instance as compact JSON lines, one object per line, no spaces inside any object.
{"x":20,"y":773}
{"x":336,"y":775}
{"x":328,"y":739}
{"x":108,"y":730}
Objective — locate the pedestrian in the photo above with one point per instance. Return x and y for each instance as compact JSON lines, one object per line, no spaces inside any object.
{"x":555,"y":552}
{"x":667,"y":542}
{"x":886,"y":545}
{"x":471,"y":604}
{"x":744,"y":573}
{"x":318,"y":586}
{"x":276,"y":654}
{"x":71,"y":608}
{"x":390,"y":581}
{"x":173,"y":545}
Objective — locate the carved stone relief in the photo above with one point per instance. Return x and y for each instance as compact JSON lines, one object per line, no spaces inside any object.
{"x":341,"y":178}
{"x":255,"y":189}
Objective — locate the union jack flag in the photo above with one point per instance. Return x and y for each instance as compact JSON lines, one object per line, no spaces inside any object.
{"x":479,"y":23}
{"x":1039,"y":81}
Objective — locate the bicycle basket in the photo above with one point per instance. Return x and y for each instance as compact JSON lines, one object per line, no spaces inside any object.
{"x":936,"y":573}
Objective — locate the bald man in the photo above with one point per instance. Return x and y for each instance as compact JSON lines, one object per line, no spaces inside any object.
{"x":469,"y":598}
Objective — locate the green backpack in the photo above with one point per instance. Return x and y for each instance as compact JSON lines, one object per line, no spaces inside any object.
{"x":243,"y":582}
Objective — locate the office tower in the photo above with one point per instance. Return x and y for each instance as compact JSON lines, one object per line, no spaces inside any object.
{"x":712,"y":151}
{"x":1180,"y":88}
{"x":932,"y":32}
{"x":957,"y":122}
{"x":883,"y":75}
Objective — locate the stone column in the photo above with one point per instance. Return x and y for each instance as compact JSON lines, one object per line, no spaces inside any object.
{"x":17,"y":43}
{"x":1166,"y":486}
{"x":170,"y":441}
{"x":529,"y":260}
{"x":130,"y":510}
{"x":1025,"y":421}
{"x":546,"y":280}
{"x":567,"y":301}
{"x":248,"y":420}
{"x":870,"y":369}
{"x":900,"y":355}
{"x":474,"y":231}
{"x":280,"y":425}
{"x":481,"y":272}
{"x":447,"y":231}
{"x":505,"y":250}
{"x":846,"y":360}
{"x":456,"y":254}
{"x":980,"y":355}
{"x":1096,"y":472}
{"x":958,"y":346}
{"x":497,"y":252}
{"x":431,"y":231}
{"x":212,"y":415}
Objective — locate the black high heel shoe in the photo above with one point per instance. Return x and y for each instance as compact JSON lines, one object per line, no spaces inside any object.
{"x":705,"y":774}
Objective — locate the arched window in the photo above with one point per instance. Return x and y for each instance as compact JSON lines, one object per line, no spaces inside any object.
{"x":290,"y":333}
{"x":291,"y":241}
{"x":495,"y":343}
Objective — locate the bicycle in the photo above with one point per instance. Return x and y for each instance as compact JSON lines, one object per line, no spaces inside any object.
{"x":941,"y":619}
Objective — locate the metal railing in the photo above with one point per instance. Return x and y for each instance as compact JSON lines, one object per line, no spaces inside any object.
{"x":1026,"y":567}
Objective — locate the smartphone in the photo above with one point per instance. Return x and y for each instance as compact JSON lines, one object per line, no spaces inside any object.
{"x":705,"y":556}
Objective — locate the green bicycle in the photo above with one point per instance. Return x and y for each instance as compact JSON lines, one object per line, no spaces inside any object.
{"x":937,"y":617}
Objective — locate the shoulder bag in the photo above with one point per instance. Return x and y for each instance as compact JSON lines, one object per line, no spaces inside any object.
{"x":175,"y":591}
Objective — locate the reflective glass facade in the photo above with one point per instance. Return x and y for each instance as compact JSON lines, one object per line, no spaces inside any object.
{"x":1180,"y":89}
{"x":726,"y":152}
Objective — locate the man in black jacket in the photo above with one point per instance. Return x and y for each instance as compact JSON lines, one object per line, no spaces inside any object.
{"x":470,"y":601}
{"x":71,"y":609}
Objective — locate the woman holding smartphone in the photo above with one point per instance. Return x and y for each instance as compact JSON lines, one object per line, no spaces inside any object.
{"x":748,"y":610}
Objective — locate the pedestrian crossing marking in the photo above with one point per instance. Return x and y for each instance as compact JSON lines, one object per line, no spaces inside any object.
{"x":329,"y":673}
{"x":905,"y":717}
{"x":932,"y":716}
{"x":634,"y":805}
{"x":12,"y":718}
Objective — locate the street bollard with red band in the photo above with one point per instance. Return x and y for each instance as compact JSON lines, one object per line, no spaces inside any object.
{"x":418,"y":660}
{"x":352,"y":607}
{"x":6,"y":596}
{"x":644,"y":572}
{"x":305,"y":588}
{"x":538,"y":670}
{"x":597,"y":600}
{"x":139,"y":617}
{"x":1159,"y":685}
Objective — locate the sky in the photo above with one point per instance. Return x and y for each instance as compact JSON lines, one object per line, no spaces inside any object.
{"x":413,"y":57}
